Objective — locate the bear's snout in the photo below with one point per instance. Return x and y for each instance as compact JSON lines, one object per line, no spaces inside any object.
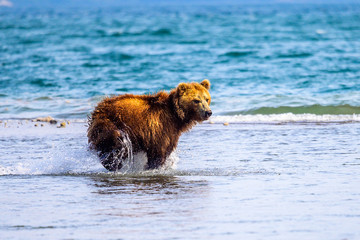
{"x":208,"y":113}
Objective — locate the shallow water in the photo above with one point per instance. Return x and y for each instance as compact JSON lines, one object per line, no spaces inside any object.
{"x":249,"y":181}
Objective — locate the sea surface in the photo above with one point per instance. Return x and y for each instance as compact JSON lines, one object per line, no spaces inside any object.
{"x":279,"y":158}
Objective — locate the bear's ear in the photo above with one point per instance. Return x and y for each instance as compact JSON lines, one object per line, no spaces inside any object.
{"x":206,"y":84}
{"x":182,"y":87}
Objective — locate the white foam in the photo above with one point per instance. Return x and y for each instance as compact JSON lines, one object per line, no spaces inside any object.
{"x":284,"y":118}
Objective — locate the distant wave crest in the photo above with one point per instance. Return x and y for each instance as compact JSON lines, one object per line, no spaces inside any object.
{"x":311,"y":113}
{"x":316,"y":109}
{"x":287,"y":118}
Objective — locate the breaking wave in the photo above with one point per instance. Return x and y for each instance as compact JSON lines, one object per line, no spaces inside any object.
{"x":316,"y":109}
{"x":286,"y":118}
{"x":311,"y":113}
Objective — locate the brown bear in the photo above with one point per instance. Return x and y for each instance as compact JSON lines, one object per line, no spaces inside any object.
{"x":126,"y":124}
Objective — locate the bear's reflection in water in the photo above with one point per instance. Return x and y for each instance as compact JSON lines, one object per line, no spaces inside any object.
{"x":159,"y":184}
{"x":142,"y":198}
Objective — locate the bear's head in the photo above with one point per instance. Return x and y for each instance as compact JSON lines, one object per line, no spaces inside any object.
{"x":192,"y":101}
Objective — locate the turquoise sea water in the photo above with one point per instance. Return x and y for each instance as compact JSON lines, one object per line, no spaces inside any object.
{"x":285,"y":77}
{"x":261,"y":59}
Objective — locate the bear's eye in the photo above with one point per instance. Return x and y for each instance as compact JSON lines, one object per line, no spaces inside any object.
{"x":196,"y":101}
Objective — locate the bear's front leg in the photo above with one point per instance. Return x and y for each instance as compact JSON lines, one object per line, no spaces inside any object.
{"x":155,"y":160}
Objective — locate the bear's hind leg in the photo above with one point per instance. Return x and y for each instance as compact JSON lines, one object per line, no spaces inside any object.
{"x":121,"y":154}
{"x":111,"y":161}
{"x":112,"y":144}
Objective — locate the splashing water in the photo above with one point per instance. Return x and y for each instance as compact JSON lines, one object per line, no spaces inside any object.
{"x":63,"y":155}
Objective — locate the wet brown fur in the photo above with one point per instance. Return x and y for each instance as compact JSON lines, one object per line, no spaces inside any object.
{"x":153,"y":123}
